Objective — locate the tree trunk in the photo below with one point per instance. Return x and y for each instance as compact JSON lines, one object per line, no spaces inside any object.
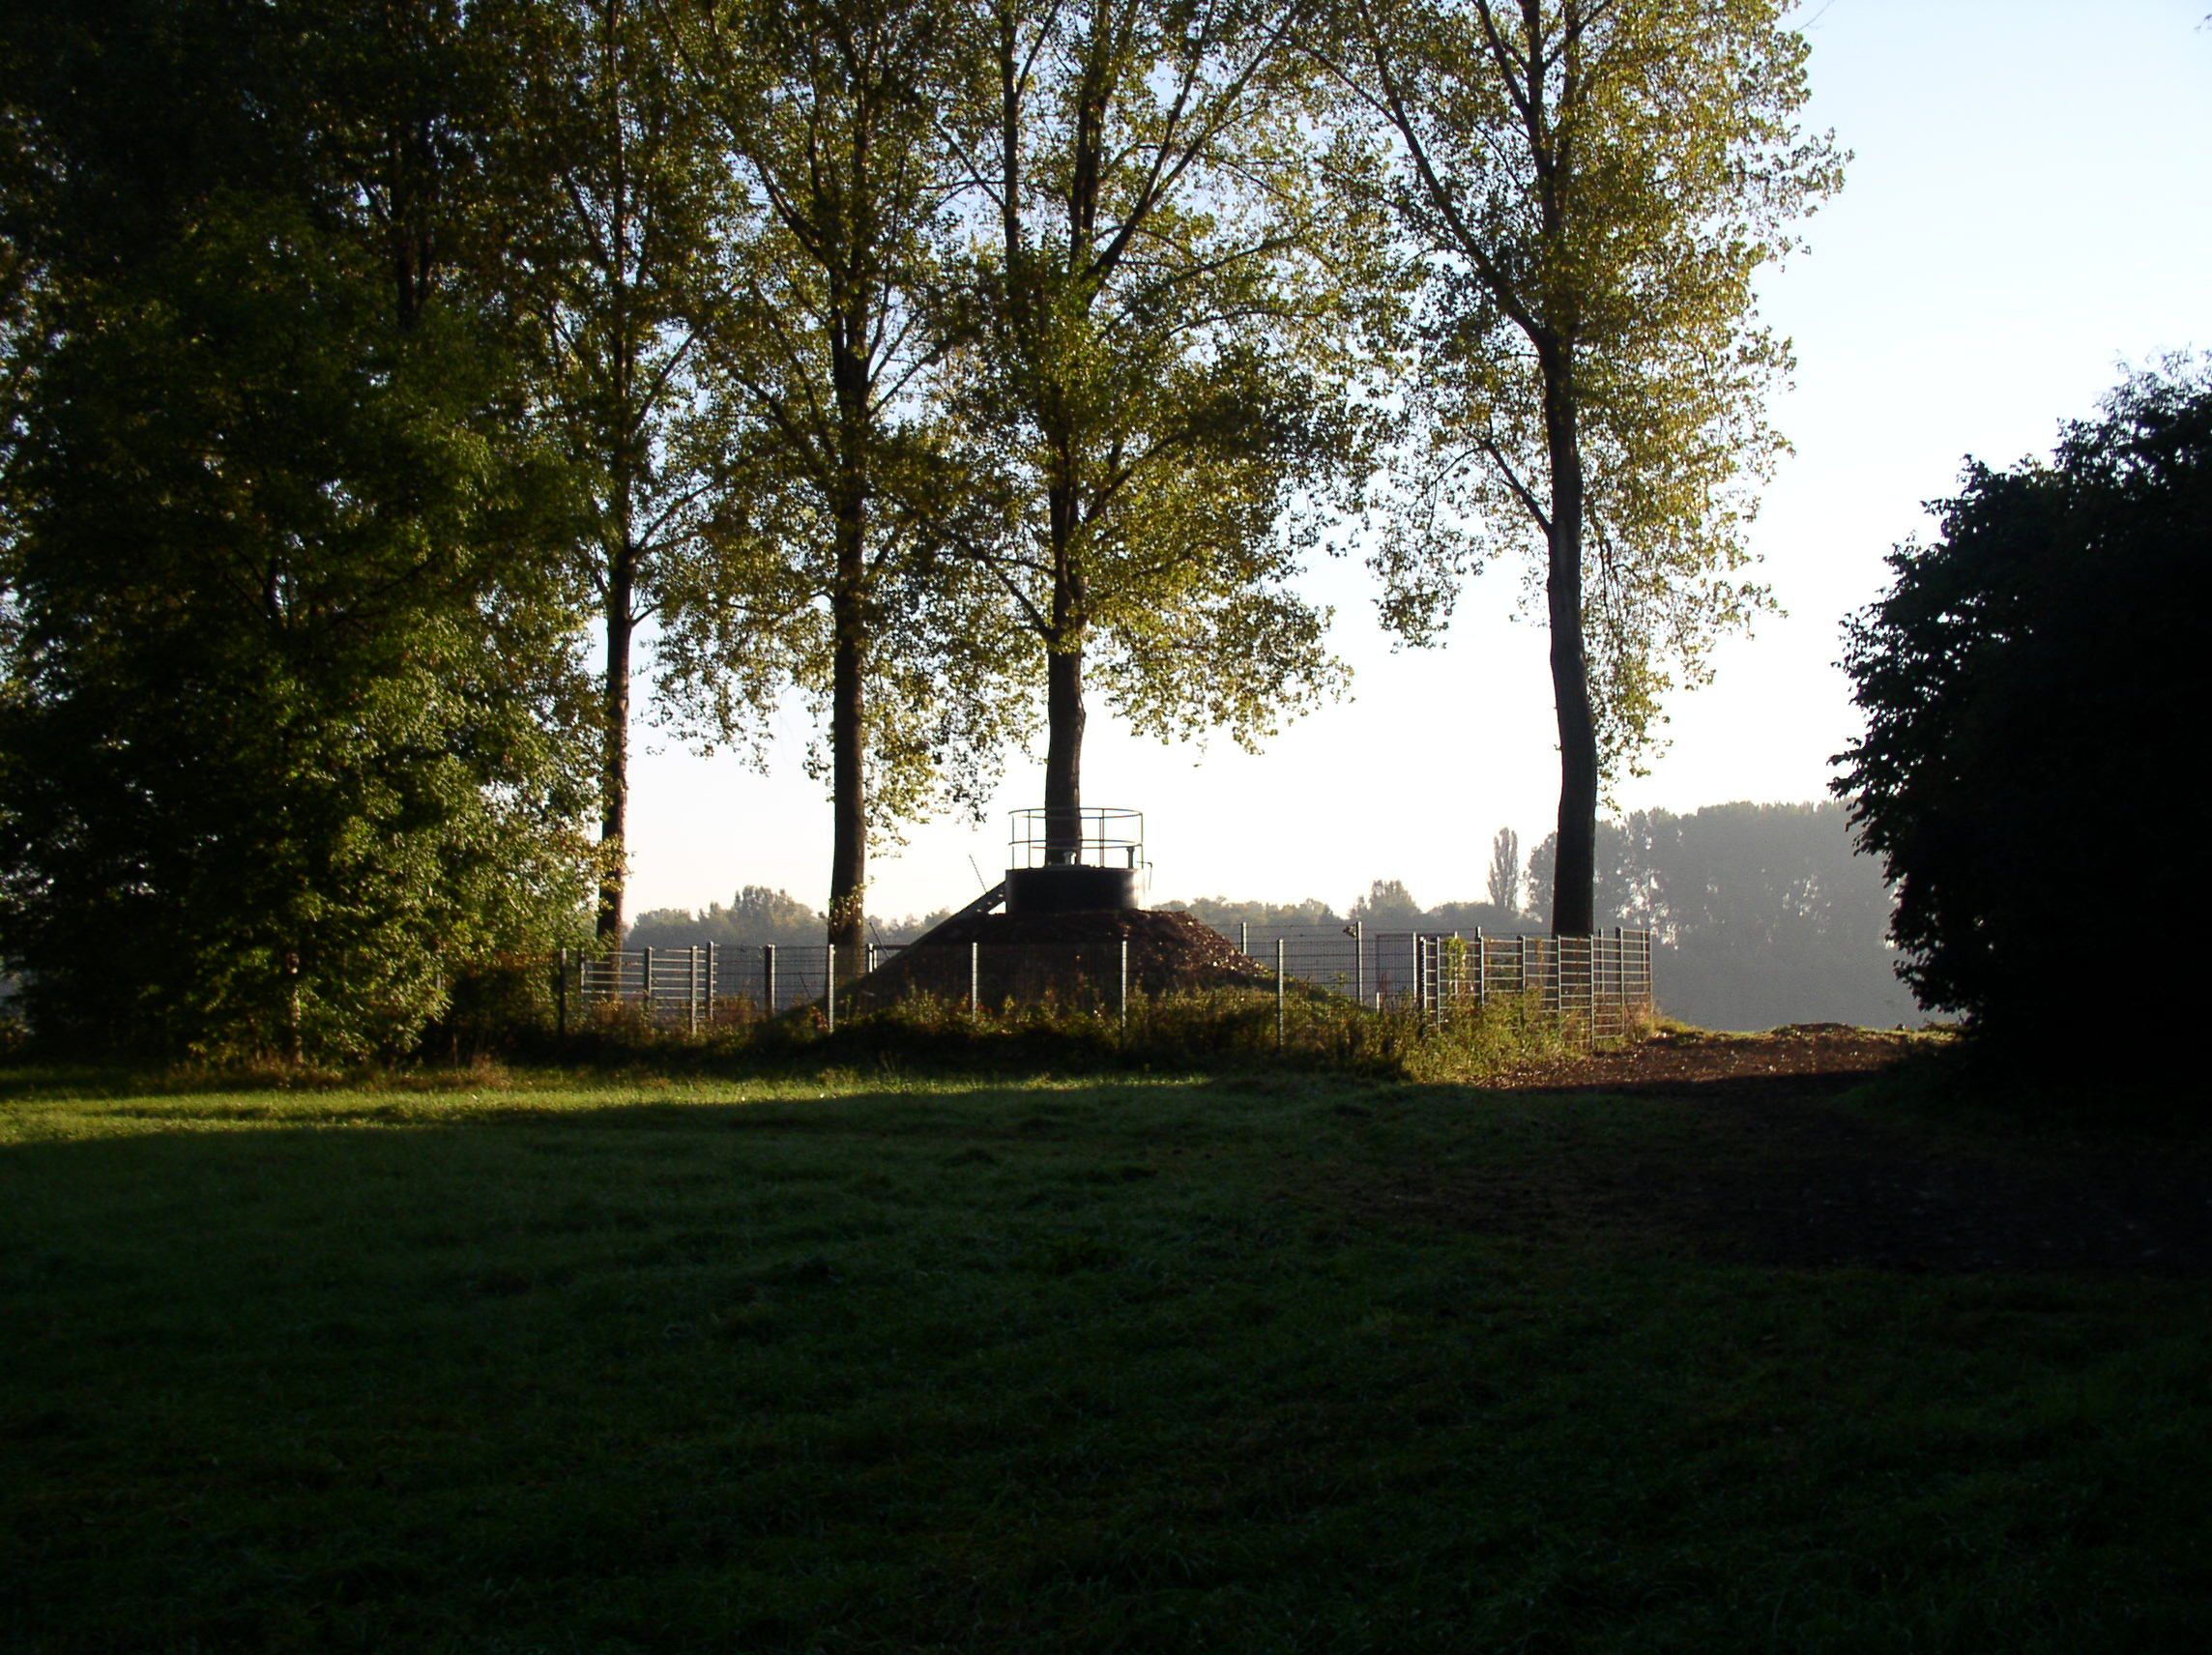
{"x":295,"y":1048}
{"x":848,"y":780}
{"x":1064,"y":756}
{"x":614,"y":778}
{"x":1574,"y":875}
{"x":1064,"y":691}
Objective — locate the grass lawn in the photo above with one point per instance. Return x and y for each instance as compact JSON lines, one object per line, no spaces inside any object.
{"x":873,"y":1363}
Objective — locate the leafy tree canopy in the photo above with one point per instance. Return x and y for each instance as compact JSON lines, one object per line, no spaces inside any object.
{"x":2028,"y":682}
{"x":1589,"y":190}
{"x":286,"y":727}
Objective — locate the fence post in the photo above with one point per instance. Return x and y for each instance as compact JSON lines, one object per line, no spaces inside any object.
{"x":714,"y":953}
{"x":871,"y":962}
{"x":645,"y":986}
{"x":1280,"y":1002}
{"x":1521,"y":967}
{"x":829,"y":976}
{"x":974,"y":979}
{"x":1359,"y":961}
{"x":1124,"y":1001}
{"x":1481,"y":967}
{"x":1243,"y":936}
{"x":768,"y":980}
{"x":561,"y":994}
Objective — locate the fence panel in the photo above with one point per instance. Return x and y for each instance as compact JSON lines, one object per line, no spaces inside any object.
{"x":1602,"y":983}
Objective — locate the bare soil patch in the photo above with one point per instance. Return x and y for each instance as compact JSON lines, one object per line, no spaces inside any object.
{"x":1779,"y":1169}
{"x":1834,"y":1055}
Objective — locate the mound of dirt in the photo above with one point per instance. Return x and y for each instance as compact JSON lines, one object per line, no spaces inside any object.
{"x":1068,"y":957}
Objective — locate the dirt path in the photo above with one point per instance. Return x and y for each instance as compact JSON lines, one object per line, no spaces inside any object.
{"x":1832,"y":1053}
{"x":1783,"y":1171}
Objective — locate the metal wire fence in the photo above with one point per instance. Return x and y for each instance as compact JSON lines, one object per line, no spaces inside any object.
{"x":1605,"y":978}
{"x":1603,"y":982}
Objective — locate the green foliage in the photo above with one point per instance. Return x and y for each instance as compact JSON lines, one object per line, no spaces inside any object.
{"x":612,"y":190}
{"x":1075,"y":1023}
{"x":2028,"y":682}
{"x":821,"y":346}
{"x":1590,"y":230}
{"x":1153,"y":383}
{"x":287,"y":734}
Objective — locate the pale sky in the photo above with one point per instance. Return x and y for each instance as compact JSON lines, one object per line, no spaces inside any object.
{"x":2027,"y":212}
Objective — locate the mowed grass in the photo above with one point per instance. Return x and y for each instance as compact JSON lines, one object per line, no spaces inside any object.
{"x":864,"y":1362}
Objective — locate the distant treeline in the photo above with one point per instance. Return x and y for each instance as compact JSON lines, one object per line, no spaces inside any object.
{"x":1763,"y":913}
{"x":757,"y":914}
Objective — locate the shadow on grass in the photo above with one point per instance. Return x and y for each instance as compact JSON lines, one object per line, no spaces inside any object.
{"x":1125,"y":1363}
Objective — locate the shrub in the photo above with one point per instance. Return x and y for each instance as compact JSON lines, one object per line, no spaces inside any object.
{"x":2027,"y":680}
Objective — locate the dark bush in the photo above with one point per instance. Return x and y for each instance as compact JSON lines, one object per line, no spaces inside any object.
{"x":2030,"y":685}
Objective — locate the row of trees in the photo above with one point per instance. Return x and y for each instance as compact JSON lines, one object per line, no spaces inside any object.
{"x":946,"y":360}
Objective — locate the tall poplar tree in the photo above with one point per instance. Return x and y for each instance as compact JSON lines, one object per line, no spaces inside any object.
{"x":614,"y":189}
{"x":1162,"y":344}
{"x":831,"y":111}
{"x":1593,"y":186}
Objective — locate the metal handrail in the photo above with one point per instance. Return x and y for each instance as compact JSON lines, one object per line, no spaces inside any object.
{"x":1103,"y":836}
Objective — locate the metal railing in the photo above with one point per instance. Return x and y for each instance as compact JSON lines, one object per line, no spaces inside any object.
{"x":1097,"y":836}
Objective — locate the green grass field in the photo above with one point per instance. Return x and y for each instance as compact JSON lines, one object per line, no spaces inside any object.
{"x":864,"y":1362}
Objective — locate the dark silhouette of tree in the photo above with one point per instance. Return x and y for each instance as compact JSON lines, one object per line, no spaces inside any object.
{"x":2030,"y":683}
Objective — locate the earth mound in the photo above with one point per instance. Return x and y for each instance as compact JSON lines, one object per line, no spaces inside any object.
{"x":1068,"y":957}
